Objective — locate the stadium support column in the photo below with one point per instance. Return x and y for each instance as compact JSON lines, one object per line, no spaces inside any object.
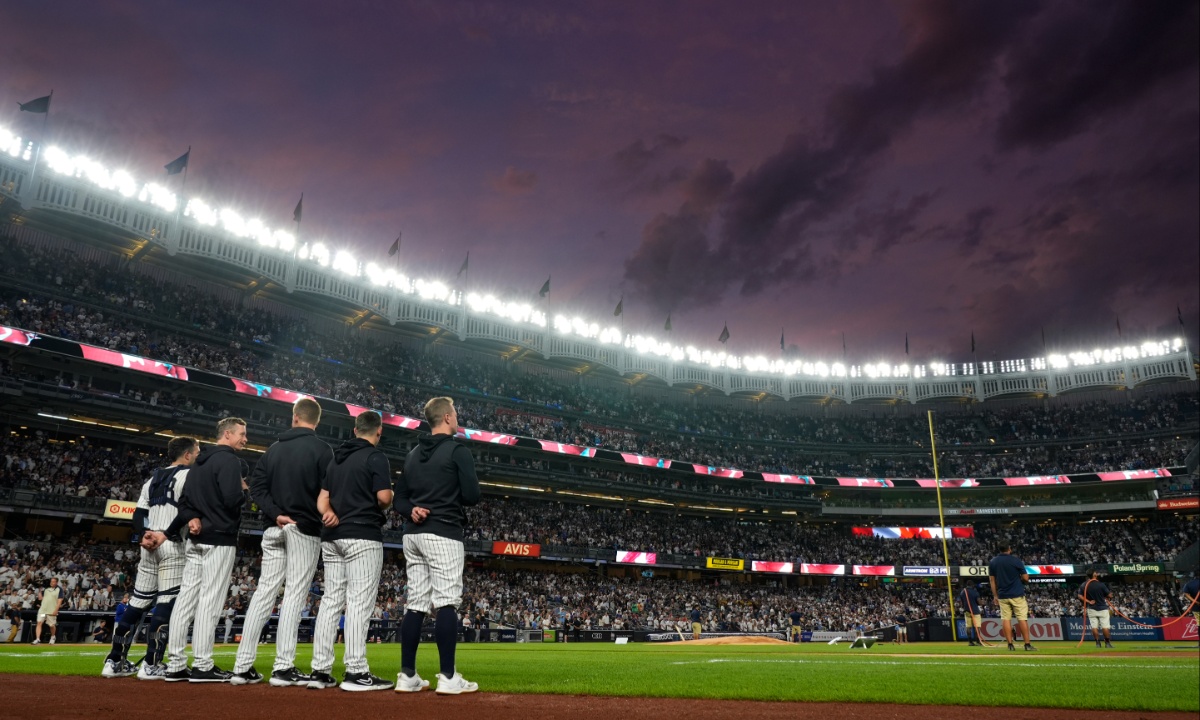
{"x":937,"y":484}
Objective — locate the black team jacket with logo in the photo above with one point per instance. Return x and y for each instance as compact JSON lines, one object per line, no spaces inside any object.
{"x":287,"y":480}
{"x":357,"y":472}
{"x":213,"y":493}
{"x":439,"y":474}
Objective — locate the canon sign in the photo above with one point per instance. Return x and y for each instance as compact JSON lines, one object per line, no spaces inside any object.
{"x":1039,"y":628}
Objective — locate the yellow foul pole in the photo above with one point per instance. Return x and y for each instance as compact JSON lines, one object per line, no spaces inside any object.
{"x":937,"y":484}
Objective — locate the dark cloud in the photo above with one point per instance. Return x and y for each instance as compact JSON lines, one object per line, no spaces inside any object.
{"x":883,"y":228}
{"x":1090,"y":59}
{"x":634,"y":159}
{"x":952,"y":46}
{"x":974,"y":226}
{"x":516,"y":181}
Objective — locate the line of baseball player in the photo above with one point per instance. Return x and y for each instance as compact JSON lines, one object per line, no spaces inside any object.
{"x":321,"y":502}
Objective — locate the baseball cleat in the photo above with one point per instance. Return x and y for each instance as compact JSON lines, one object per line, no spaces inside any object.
{"x":246,"y":677}
{"x":1029,"y":648}
{"x":456,"y":685}
{"x":212,"y":675}
{"x":178,"y":676}
{"x":117,"y":668}
{"x":405,"y":683}
{"x":364,"y":682}
{"x":289,"y":678}
{"x":151,"y":672}
{"x":321,"y":680}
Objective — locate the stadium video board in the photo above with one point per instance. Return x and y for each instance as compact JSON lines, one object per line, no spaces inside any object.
{"x":923,"y":533}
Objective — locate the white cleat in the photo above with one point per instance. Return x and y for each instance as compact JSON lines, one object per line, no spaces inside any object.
{"x":404,"y":683}
{"x":456,"y":685}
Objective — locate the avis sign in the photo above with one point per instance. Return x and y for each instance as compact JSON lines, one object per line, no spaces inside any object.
{"x":500,"y":547}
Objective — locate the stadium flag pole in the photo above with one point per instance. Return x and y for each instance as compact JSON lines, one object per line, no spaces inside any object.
{"x":937,"y":484}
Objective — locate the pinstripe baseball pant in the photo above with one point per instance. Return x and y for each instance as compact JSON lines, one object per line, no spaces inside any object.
{"x":434,"y":569}
{"x":159,"y":573}
{"x":352,"y":569}
{"x":205,"y":584}
{"x":289,"y":558}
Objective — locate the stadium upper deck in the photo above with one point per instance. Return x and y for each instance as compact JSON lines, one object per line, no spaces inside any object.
{"x":76,"y":197}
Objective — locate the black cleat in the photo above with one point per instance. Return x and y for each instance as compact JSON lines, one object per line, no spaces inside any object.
{"x":248,"y":677}
{"x":321,"y":680}
{"x":1010,"y":647}
{"x":211,"y":675}
{"x":178,"y":676}
{"x":1030,"y":648}
{"x":365,"y":682}
{"x":289,"y":678}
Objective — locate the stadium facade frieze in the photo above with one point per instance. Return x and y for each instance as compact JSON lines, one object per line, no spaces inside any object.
{"x":62,"y":189}
{"x":213,"y":381}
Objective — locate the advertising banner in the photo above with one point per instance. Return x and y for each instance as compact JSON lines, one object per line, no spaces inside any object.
{"x":1134,"y":474}
{"x":923,"y":533}
{"x":880,"y":570}
{"x":972,"y":571}
{"x":720,"y":563}
{"x":1191,"y":503}
{"x":977,"y":511}
{"x":924,"y":570}
{"x":119,"y":509}
{"x":1121,"y":629}
{"x":1136,"y":569}
{"x":821,"y":569}
{"x":771,"y":567}
{"x":1183,"y":630}
{"x":500,"y":547}
{"x":636,"y":558}
{"x":1050,"y":569}
{"x":992,"y":630}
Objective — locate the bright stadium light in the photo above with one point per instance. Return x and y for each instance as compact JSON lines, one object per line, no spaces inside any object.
{"x":201,"y":212}
{"x":159,"y":196}
{"x":10,"y":143}
{"x":319,"y":254}
{"x":284,"y":240}
{"x":345,"y":262}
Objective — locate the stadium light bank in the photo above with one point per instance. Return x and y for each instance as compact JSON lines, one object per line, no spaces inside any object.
{"x":319,"y":253}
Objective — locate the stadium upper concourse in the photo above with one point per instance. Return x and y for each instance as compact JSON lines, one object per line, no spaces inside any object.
{"x":80,"y":215}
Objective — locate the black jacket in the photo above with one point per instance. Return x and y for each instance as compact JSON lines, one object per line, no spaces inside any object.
{"x":287,"y":479}
{"x":439,"y":475}
{"x":357,"y":472}
{"x":213,"y":493}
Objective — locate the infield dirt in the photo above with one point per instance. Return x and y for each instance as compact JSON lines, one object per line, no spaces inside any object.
{"x":37,"y":697}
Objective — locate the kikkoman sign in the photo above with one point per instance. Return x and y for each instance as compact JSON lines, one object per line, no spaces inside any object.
{"x":1136,"y":568}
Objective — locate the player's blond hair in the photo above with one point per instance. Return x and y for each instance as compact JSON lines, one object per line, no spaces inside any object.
{"x":308,"y":410}
{"x":437,"y":408}
{"x":225,"y":425}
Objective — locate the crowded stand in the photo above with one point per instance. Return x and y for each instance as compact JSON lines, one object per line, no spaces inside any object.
{"x":121,"y":310}
{"x":96,"y":576}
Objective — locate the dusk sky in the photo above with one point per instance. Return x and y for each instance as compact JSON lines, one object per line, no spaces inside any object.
{"x":867,"y":167}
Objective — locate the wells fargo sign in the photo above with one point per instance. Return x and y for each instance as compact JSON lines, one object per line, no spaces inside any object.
{"x":500,"y":547}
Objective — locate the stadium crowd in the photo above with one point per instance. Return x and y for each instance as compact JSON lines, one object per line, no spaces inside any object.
{"x":95,"y":576}
{"x":194,"y":325}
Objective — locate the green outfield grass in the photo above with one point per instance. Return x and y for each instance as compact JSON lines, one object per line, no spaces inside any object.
{"x":922,"y":673}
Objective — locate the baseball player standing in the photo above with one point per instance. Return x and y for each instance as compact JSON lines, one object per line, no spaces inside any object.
{"x":160,"y":569}
{"x":212,"y":508}
{"x":285,"y":484}
{"x":356,"y":491}
{"x":438,"y":482}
